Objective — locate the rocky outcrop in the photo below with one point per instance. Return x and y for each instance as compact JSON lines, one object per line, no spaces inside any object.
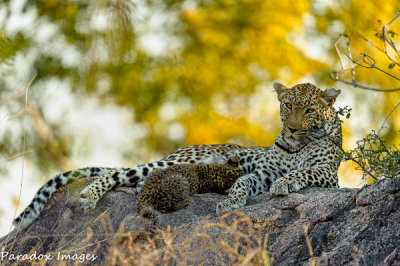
{"x":316,"y":225}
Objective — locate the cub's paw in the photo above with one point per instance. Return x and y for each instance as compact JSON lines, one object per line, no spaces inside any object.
{"x":88,"y":198}
{"x":283,"y":187}
{"x":139,"y":186}
{"x":215,"y":158}
{"x":87,"y":204}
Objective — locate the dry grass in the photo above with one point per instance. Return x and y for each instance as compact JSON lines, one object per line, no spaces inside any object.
{"x":234,"y":239}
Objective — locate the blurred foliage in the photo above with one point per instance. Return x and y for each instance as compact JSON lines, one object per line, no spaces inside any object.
{"x":214,"y":52}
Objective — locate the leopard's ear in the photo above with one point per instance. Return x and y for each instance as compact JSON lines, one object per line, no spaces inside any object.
{"x":280,"y":89}
{"x":328,"y":96}
{"x":233,"y":161}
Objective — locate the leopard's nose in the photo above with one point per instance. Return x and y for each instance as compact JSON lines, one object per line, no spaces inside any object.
{"x":292,"y":130}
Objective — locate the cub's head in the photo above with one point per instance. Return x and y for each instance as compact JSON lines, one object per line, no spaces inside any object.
{"x":233,"y":161}
{"x":232,"y":167}
{"x":304,"y":107}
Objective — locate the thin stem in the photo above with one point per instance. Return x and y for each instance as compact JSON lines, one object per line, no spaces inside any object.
{"x":368,"y":61}
{"x":357,"y":85}
{"x":386,"y":118}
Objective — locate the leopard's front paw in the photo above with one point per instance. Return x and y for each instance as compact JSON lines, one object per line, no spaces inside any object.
{"x":283,"y":187}
{"x":223,"y":207}
{"x":231,"y":204}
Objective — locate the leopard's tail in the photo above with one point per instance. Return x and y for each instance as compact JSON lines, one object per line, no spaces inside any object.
{"x":32,"y":212}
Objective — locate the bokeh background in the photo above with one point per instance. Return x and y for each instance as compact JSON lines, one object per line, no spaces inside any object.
{"x":119,"y":83}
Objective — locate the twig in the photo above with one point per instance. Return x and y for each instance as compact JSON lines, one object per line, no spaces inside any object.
{"x":384,"y":51}
{"x":310,"y":249}
{"x":343,"y":151}
{"x":357,"y":85}
{"x":386,"y":37}
{"x":354,"y":160}
{"x":26,"y":91}
{"x":370,"y":64}
{"x":368,"y":60}
{"x":386,"y":118}
{"x":338,"y":52}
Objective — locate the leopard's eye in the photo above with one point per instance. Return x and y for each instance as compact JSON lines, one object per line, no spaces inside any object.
{"x":288,"y":105}
{"x":310,"y":110}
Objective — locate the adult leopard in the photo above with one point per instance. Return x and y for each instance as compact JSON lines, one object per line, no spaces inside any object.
{"x":303,"y":155}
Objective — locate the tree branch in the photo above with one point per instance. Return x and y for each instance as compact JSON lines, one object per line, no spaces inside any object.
{"x":369,"y":62}
{"x":357,"y":85}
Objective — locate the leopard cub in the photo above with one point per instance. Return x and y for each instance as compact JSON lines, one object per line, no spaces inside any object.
{"x":169,"y":189}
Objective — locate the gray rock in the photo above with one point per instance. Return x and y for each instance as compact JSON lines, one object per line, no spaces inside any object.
{"x":316,"y":225}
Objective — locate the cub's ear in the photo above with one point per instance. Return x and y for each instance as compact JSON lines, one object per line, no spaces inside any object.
{"x":328,"y":96}
{"x":233,"y":161}
{"x":280,"y":89}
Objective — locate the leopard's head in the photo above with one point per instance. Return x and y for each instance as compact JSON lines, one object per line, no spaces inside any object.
{"x":303,"y":108}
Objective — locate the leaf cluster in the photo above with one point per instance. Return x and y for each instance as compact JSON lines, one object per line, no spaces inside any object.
{"x":374,"y":157}
{"x":345,"y":111}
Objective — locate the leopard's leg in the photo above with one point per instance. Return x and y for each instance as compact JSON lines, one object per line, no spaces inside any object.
{"x":32,"y":212}
{"x":319,"y":169}
{"x":302,"y":178}
{"x":91,"y":194}
{"x":245,"y":187}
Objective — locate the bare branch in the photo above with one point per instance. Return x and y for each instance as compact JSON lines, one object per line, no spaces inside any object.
{"x":19,"y":154}
{"x":384,"y":51}
{"x":367,"y":61}
{"x":386,"y":118}
{"x":362,"y":36}
{"x":353,"y":72}
{"x":394,"y":19}
{"x":387,"y":38}
{"x":338,"y":52}
{"x":357,"y":85}
{"x":24,"y":92}
{"x":370,"y":62}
